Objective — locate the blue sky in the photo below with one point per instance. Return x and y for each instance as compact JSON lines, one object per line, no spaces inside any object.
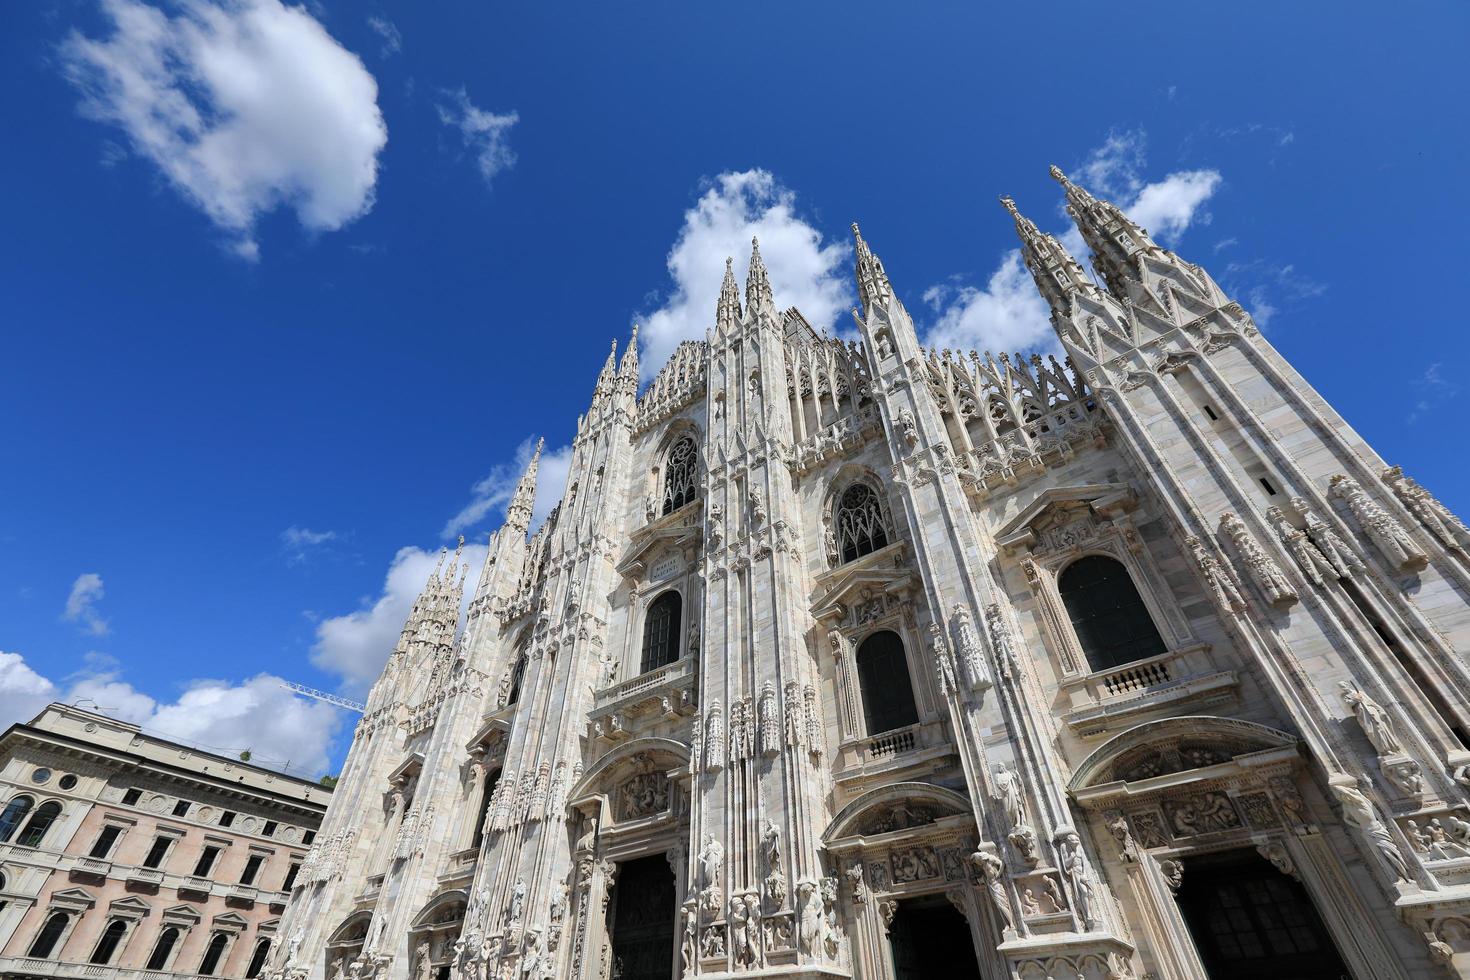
{"x":287,"y":290}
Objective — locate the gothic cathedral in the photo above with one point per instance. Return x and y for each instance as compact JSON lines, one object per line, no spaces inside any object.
{"x":844,"y":659}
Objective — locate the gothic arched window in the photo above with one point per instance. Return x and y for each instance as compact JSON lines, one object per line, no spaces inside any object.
{"x":883,"y":675}
{"x":681,"y":483}
{"x":106,"y":947}
{"x":46,"y":939}
{"x":517,"y":674}
{"x":491,"y":781}
{"x":861,"y":529}
{"x":213,"y":954}
{"x":40,"y":822}
{"x":661,"y":631}
{"x":11,"y":817}
{"x":257,"y":958}
{"x":163,"y":947}
{"x":1108,"y":615}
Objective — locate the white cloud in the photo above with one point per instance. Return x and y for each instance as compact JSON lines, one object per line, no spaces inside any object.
{"x":244,"y":105}
{"x":81,"y":604}
{"x":805,"y":272}
{"x":1434,"y":390}
{"x":1265,"y":289}
{"x":1008,"y":314}
{"x":492,"y":494}
{"x":299,"y":543}
{"x":486,"y":134}
{"x":23,"y":692}
{"x":223,"y":717}
{"x":388,"y":31}
{"x":355,"y":646}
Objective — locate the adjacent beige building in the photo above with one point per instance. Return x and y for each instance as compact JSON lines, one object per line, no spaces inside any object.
{"x":872,"y":661}
{"x":124,"y":855}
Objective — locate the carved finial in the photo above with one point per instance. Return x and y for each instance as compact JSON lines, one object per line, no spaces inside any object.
{"x":1059,"y":177}
{"x":1009,"y":204}
{"x":757,"y":282}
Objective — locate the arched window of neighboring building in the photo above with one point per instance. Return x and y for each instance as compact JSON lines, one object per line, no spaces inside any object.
{"x":12,"y":815}
{"x":661,"y":631}
{"x":257,"y":958}
{"x":165,"y":945}
{"x":517,"y":674}
{"x":491,"y":781}
{"x":1108,"y":615}
{"x":213,"y":954}
{"x":106,"y":947}
{"x":883,"y":675}
{"x":40,"y":822}
{"x":861,"y":528}
{"x":45,"y":942}
{"x":681,"y":480}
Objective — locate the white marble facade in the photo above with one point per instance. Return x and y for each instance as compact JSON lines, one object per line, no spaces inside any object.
{"x":1169,"y":625}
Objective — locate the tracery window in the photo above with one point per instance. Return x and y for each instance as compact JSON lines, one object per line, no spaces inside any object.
{"x":40,"y":822}
{"x":11,"y":817}
{"x":1108,"y":615}
{"x":861,"y":527}
{"x":681,"y":483}
{"x":517,"y":674}
{"x":661,"y":631}
{"x":165,"y":945}
{"x":883,"y":676}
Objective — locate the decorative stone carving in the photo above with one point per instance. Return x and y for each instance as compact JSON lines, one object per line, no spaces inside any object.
{"x":711,"y":863}
{"x":968,"y":645}
{"x":907,"y":426}
{"x":809,"y":906}
{"x":714,"y":740}
{"x":770,"y":724}
{"x":1342,"y":556}
{"x":1276,"y":853}
{"x":689,"y":944}
{"x":943,"y":664}
{"x":1387,"y":534}
{"x":1267,"y":575}
{"x":1435,"y":516}
{"x":1000,"y":641}
{"x":644,"y":795}
{"x":1313,"y":564}
{"x":743,"y":920}
{"x":1118,"y":827}
{"x":1172,"y":872}
{"x":1221,"y":583}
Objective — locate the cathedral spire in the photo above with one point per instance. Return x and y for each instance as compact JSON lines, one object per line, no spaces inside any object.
{"x":872,"y":279}
{"x":1111,"y":235}
{"x":518,"y":514}
{"x":1058,"y":275}
{"x":758,"y":293}
{"x":727,"y":313}
{"x":629,"y":366}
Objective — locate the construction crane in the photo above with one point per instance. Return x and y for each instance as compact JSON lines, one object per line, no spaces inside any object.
{"x":312,"y":692}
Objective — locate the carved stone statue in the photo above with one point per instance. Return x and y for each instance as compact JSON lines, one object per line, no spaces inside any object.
{"x":1435,"y":516}
{"x":991,"y":869}
{"x":907,"y":426}
{"x":1342,"y":556}
{"x":1387,"y":534}
{"x":1372,"y":719}
{"x":1267,"y":575}
{"x":689,"y":943}
{"x":809,"y":906}
{"x":1221,"y":583}
{"x":1011,"y":797}
{"x":829,"y":544}
{"x":711,"y":862}
{"x":1073,"y":865}
{"x":1360,"y":812}
{"x":1308,"y":557}
{"x":757,"y":505}
{"x":517,"y":903}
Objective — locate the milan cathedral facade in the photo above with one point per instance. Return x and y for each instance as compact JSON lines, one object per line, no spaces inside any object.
{"x":868,"y":660}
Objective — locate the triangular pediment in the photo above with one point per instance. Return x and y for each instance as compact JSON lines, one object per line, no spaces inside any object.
{"x":680,"y":529}
{"x":74,"y":897}
{"x":883,"y":571}
{"x":1107,"y":499}
{"x":130,"y":906}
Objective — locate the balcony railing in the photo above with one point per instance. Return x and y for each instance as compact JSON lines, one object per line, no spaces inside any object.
{"x":644,"y":683}
{"x":145,"y":876}
{"x":11,"y":966}
{"x":93,"y":866}
{"x":1100,"y":699}
{"x":892,"y":743}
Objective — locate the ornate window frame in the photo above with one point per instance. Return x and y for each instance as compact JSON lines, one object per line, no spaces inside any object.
{"x":658,"y":502}
{"x":1068,"y":523}
{"x":847,"y":480}
{"x":645,"y":604}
